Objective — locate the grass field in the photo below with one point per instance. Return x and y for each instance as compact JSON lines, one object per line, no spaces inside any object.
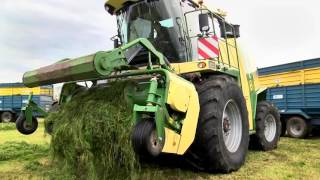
{"x":26,"y":157}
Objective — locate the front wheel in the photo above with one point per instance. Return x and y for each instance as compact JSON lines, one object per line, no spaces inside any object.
{"x":268,"y":127}
{"x":145,"y":139}
{"x":222,"y":138}
{"x":23,"y":127}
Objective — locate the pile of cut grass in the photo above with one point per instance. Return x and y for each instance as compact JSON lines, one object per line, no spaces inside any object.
{"x":91,"y":138}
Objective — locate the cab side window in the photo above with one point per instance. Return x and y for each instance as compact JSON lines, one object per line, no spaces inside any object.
{"x":217,"y":27}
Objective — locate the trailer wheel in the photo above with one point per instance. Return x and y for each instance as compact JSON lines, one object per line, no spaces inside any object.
{"x":222,"y":138}
{"x":145,"y":140}
{"x":268,"y":127}
{"x":6,"y":117}
{"x":297,"y":127}
{"x":23,"y":128}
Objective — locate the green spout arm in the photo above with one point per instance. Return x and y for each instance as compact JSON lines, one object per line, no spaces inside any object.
{"x":87,"y":67}
{"x":96,"y":66}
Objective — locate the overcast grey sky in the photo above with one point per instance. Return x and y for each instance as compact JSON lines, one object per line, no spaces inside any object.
{"x":35,"y":33}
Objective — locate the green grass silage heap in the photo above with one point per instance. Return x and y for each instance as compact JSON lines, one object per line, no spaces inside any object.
{"x":91,"y":138}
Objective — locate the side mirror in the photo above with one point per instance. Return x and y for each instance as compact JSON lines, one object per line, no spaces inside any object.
{"x":237,"y":30}
{"x":204,"y":22}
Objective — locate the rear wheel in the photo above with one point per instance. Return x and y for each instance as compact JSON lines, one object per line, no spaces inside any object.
{"x":268,"y":127}
{"x":6,"y":117}
{"x":222,"y":138}
{"x":145,"y":140}
{"x":297,"y":127}
{"x":23,"y":127}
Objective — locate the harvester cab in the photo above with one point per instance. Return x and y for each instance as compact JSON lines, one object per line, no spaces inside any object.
{"x":193,"y":95}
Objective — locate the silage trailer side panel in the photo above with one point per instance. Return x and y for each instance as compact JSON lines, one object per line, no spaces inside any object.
{"x":295,"y":89}
{"x":303,"y":100}
{"x":304,"y":72}
{"x":13,"y":96}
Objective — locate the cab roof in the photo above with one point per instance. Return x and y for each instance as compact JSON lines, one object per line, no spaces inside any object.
{"x":113,"y":6}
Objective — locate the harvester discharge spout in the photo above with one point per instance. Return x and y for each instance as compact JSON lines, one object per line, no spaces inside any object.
{"x":79,"y":69}
{"x":96,"y":66}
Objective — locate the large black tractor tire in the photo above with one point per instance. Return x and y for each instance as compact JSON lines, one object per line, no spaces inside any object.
{"x":223,"y":119}
{"x":48,"y":126}
{"x":297,"y":127}
{"x":7,"y":117}
{"x":145,"y":140}
{"x":23,"y":128}
{"x":268,"y":127}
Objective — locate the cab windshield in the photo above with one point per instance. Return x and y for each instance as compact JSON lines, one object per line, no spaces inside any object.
{"x":159,"y":22}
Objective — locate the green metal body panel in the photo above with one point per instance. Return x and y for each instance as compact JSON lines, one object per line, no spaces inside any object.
{"x":62,"y":71}
{"x":153,"y":100}
{"x":153,"y":104}
{"x":253,"y":97}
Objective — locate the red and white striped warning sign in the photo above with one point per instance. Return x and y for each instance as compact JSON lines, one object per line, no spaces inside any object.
{"x":208,"y":47}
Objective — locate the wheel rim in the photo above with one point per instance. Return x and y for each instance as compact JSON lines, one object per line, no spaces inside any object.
{"x":270,"y":128}
{"x":232,"y":126}
{"x":26,"y":126}
{"x":296,"y":128}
